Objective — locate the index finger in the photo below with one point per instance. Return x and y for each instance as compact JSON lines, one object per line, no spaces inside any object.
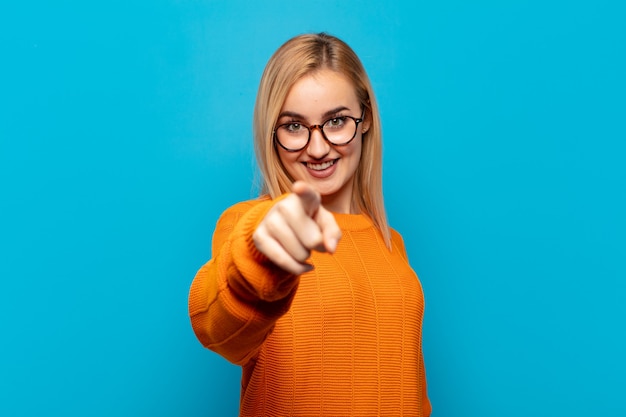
{"x":309,"y":197}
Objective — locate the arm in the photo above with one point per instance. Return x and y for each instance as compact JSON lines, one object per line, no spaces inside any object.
{"x":398,"y":244}
{"x":260,"y":249}
{"x":236,"y":297}
{"x":426,"y":406}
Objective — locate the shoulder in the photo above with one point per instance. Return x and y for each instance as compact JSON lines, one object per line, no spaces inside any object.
{"x":396,"y":237}
{"x":397,"y":242}
{"x":231,"y":218}
{"x":246,"y":205}
{"x":239,"y":209}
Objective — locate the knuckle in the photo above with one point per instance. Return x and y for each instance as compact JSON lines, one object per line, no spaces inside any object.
{"x":257,"y":236}
{"x":281,"y":208}
{"x":259,"y":241}
{"x":274,"y":226}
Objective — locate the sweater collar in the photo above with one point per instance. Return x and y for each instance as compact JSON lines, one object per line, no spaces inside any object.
{"x":353,"y":222}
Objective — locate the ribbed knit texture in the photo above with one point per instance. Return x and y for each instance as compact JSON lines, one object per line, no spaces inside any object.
{"x":341,"y":340}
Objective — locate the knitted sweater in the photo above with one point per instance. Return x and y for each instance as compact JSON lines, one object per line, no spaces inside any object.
{"x":341,"y":340}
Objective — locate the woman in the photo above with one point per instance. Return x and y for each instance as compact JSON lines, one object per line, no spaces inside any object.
{"x":309,"y":290}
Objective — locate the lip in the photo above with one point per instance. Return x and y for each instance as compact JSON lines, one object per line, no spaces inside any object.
{"x":322,"y":173}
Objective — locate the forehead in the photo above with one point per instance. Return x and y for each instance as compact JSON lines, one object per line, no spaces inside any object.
{"x":316,"y":93}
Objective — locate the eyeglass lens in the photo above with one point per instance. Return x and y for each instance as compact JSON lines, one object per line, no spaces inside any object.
{"x":338,"y":131}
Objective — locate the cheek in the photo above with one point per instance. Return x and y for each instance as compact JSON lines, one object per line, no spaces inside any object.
{"x":357,"y":150}
{"x":288,"y":160}
{"x":357,"y":156}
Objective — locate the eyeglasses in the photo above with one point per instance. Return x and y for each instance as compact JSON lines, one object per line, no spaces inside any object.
{"x":339,"y":131}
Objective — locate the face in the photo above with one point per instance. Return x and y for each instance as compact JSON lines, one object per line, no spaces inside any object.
{"x":330,"y":169}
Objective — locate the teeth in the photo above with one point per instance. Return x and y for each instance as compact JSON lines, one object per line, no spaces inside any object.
{"x":320,"y":167}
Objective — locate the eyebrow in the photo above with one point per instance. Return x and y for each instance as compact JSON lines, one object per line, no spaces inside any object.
{"x":329,"y":113}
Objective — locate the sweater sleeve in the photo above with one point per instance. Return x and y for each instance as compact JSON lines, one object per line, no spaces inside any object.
{"x":236,"y":298}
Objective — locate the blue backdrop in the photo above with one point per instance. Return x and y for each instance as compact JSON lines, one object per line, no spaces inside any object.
{"x":125,"y":130}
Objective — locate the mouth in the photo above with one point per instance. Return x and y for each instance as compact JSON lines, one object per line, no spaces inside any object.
{"x":321,"y":166}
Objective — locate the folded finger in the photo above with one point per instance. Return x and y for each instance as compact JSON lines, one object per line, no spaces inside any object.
{"x":276,"y":253}
{"x":279,"y":230}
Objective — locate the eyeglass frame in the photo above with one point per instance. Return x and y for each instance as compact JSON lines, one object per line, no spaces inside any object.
{"x":320,"y":127}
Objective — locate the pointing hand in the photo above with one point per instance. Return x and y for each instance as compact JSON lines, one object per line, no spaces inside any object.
{"x":294,"y":227}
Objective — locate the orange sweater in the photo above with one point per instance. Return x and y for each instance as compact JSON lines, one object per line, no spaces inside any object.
{"x":341,"y":340}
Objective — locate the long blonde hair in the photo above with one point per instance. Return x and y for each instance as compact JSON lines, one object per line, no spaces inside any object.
{"x":300,"y":56}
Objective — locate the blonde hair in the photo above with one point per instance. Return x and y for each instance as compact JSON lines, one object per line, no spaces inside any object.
{"x":300,"y":56}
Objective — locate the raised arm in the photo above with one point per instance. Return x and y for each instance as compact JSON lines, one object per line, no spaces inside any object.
{"x":259,"y":251}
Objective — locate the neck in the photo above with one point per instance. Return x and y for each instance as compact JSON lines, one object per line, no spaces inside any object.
{"x":336,"y":204}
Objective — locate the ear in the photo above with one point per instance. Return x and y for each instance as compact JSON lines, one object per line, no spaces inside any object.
{"x":366,"y":123}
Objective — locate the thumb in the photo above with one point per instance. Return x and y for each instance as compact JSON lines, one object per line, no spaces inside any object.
{"x":331,"y":233}
{"x":309,"y":197}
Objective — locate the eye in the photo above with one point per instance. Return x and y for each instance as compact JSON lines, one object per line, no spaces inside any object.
{"x":336,"y":123}
{"x":293,"y":127}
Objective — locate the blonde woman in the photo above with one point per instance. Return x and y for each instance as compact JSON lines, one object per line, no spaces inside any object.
{"x":309,"y":290}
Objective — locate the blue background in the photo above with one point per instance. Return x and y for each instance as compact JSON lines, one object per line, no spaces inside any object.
{"x":125,"y":130}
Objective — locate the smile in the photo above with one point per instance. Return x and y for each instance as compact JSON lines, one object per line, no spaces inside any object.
{"x":322,"y":166}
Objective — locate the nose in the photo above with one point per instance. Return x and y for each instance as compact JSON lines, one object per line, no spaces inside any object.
{"x":318,"y":147}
